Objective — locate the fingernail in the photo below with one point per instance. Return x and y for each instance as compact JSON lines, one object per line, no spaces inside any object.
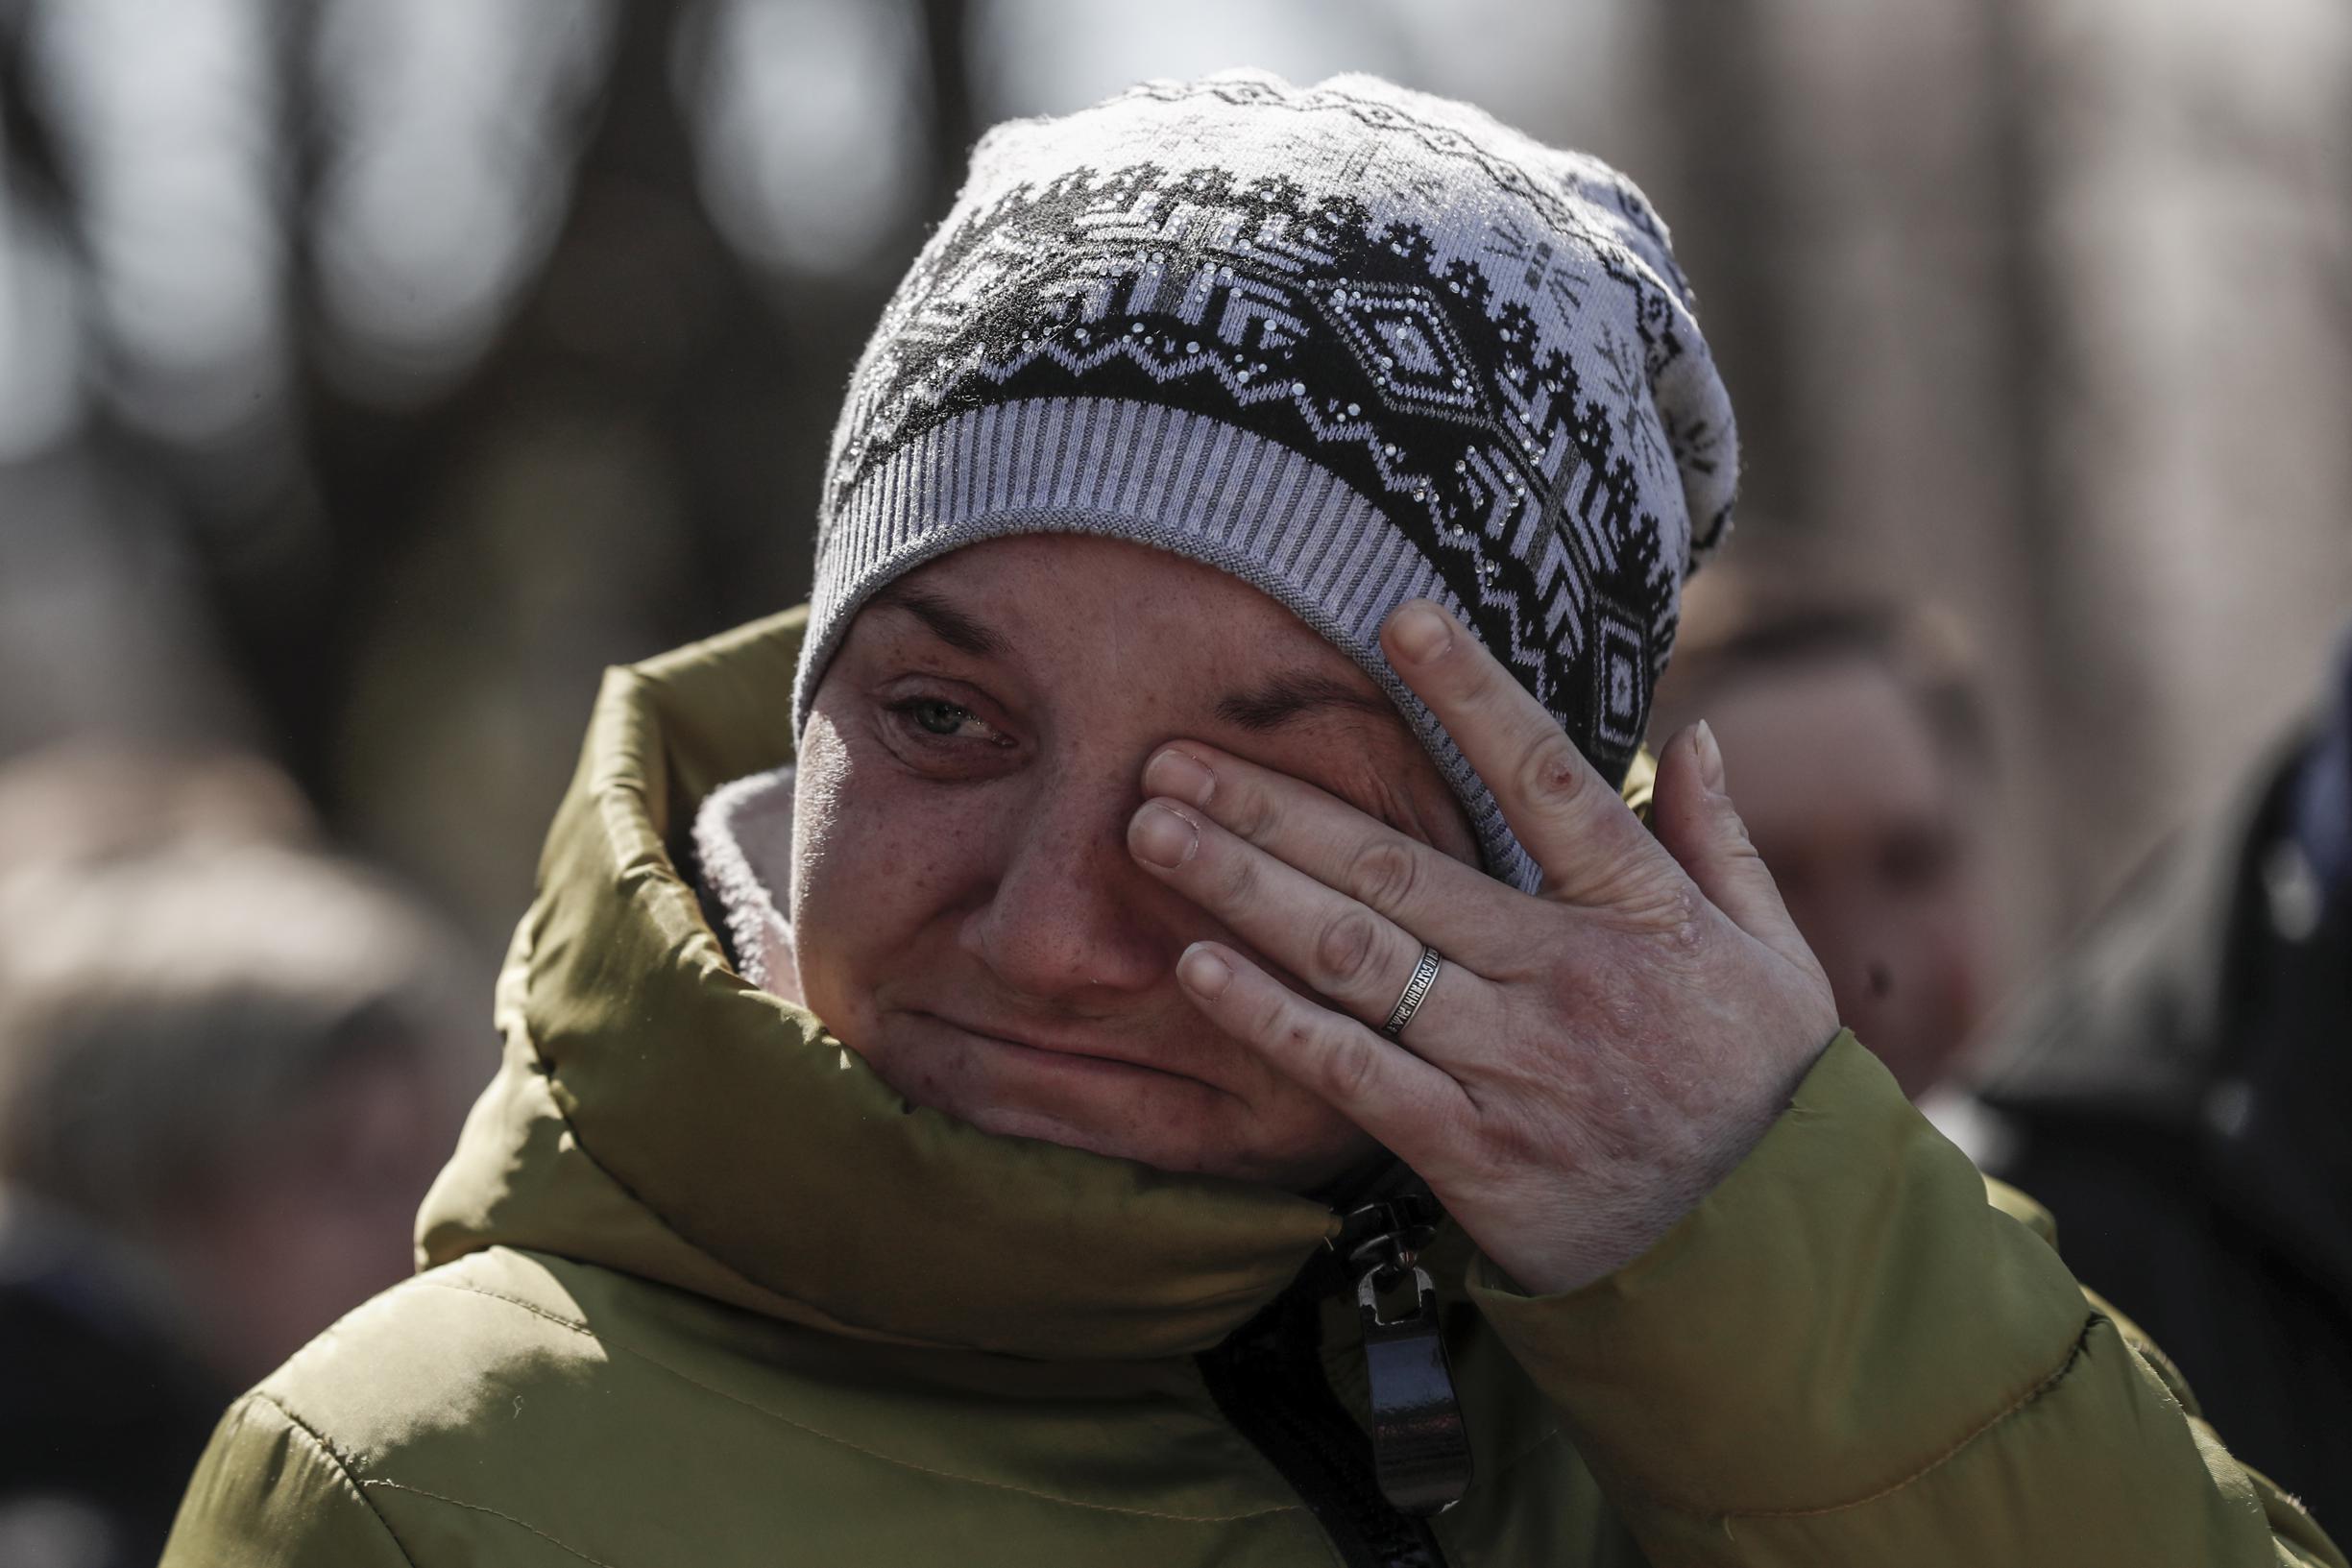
{"x":1161,"y":836}
{"x":1710,"y":758}
{"x":1177,"y":773}
{"x":1203,"y":972}
{"x":1420,"y":632}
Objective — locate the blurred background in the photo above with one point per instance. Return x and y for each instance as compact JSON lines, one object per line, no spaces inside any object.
{"x":375,"y":371}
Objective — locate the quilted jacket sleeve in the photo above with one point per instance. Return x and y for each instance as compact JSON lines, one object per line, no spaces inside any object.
{"x":1846,"y":1356}
{"x":270,"y":1494}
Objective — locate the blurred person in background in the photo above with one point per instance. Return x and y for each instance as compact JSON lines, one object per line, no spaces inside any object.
{"x":225,"y":1081}
{"x":2175,"y":1089}
{"x":982,"y":1086}
{"x":1853,"y":729}
{"x":2178,"y":1090}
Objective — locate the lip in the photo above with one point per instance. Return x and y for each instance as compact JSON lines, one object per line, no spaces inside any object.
{"x":1081,"y":1056}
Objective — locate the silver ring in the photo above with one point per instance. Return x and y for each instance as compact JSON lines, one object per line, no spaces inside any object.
{"x":1416,"y":992}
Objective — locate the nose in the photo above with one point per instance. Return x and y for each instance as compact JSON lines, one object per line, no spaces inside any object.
{"x":1071,"y":912}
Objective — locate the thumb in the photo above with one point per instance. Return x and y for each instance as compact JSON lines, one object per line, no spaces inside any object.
{"x":1695,"y":820}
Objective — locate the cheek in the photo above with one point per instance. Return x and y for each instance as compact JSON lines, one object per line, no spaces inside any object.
{"x":1950,"y":951}
{"x":880,"y":861}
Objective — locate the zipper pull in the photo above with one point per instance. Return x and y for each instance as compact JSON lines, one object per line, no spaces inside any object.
{"x":1420,"y":1448}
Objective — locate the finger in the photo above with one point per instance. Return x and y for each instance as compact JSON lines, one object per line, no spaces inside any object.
{"x":1699,"y":827}
{"x":1337,"y":947}
{"x":1578,"y":830}
{"x":1419,"y":887}
{"x":1391,"y":1094}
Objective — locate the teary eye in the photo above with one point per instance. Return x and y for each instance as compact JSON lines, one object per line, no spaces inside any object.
{"x":939,"y":717}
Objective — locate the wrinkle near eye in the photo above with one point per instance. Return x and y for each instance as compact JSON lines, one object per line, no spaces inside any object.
{"x":1378,"y":789}
{"x":1371,"y":785}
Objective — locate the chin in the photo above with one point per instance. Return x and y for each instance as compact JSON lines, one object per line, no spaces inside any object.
{"x":1122,"y":1109}
{"x":1021,"y":1122}
{"x":1167,"y":1142}
{"x":1158,"y":1119}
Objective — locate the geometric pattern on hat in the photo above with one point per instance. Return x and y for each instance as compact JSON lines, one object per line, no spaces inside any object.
{"x":1475,"y":349}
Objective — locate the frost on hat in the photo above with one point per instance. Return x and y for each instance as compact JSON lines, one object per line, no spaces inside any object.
{"x":1352,"y":344}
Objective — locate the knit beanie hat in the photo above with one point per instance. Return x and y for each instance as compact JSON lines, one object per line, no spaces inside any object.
{"x":1351,"y":343}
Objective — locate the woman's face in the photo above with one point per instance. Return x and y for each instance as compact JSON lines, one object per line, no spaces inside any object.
{"x":965,"y":912}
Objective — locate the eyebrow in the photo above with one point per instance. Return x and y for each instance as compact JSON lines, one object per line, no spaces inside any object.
{"x":1289,"y":697}
{"x":949,"y":624}
{"x":1282,"y":699}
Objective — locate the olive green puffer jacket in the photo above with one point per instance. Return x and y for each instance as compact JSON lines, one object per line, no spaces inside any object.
{"x":701,"y":1289}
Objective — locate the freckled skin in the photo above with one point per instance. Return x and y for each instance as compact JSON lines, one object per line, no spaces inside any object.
{"x":966,"y":913}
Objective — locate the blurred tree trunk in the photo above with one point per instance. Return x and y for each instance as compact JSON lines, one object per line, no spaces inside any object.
{"x":1723,"y":121}
{"x":2037,"y":400}
{"x":954,"y":120}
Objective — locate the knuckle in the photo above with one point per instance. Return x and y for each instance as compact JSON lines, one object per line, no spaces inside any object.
{"x":1552,"y":776}
{"x":1275,"y":1020}
{"x":1680,"y":918}
{"x":1684,"y":904}
{"x":1237,"y":880}
{"x":1343,"y":1070}
{"x":1383,"y":874}
{"x":1344,"y":950}
{"x":1254,"y":814}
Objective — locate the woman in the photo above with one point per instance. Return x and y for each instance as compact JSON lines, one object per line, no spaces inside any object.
{"x":1253,"y":534}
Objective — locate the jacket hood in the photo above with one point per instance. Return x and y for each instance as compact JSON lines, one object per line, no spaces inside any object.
{"x":655,"y":1113}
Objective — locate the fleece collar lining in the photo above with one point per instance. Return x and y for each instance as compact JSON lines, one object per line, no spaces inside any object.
{"x":743,"y":839}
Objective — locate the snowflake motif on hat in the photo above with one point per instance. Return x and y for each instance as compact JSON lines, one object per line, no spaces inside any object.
{"x":1484,"y":341}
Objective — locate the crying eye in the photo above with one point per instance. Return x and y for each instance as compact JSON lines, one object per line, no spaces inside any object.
{"x":941,"y":717}
{"x":944,"y":720}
